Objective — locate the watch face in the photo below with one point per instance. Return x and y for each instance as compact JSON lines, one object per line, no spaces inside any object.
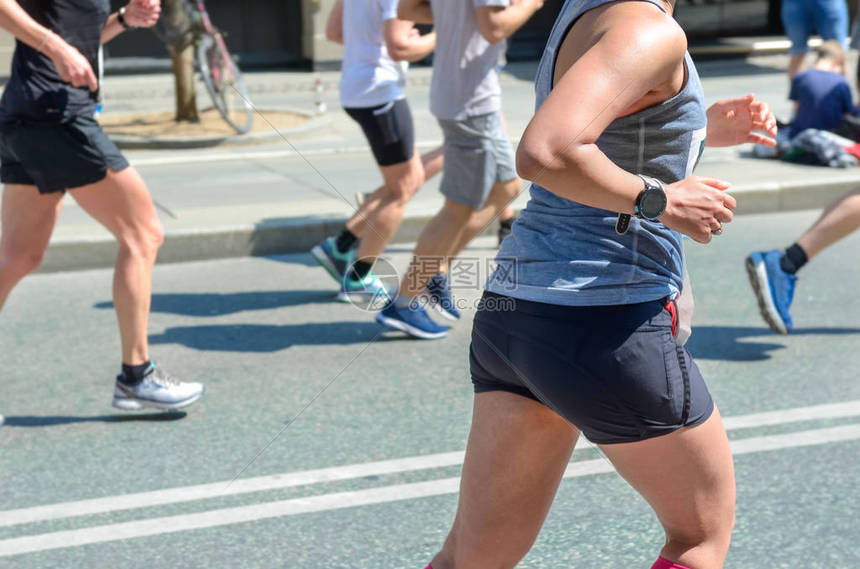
{"x":652,"y":204}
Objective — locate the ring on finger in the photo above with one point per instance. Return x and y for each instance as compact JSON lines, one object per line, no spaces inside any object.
{"x":717,"y":231}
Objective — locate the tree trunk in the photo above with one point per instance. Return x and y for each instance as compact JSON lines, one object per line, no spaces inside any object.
{"x":175,"y":27}
{"x":183,"y":74}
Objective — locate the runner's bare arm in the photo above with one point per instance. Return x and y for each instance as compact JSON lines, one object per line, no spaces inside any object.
{"x":497,"y":23}
{"x":734,"y":121}
{"x":623,"y":56}
{"x":418,"y":11}
{"x":138,"y":14}
{"x":334,"y":24}
{"x":404,"y":43}
{"x":71,"y":65}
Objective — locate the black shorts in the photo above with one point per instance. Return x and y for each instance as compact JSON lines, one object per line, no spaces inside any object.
{"x":55,"y":157}
{"x":615,"y":372}
{"x":388,"y":129}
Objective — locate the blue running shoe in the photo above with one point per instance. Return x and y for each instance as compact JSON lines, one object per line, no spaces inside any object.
{"x":440,"y":299}
{"x":369,"y":292}
{"x":773,"y":287}
{"x":413,"y":320}
{"x":332,"y":260}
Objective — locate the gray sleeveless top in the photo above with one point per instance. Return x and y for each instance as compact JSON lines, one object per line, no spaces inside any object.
{"x":563,"y":252}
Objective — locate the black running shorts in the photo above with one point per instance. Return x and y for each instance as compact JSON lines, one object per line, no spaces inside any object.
{"x":388,"y":129}
{"x":57,"y":156}
{"x":615,"y":372}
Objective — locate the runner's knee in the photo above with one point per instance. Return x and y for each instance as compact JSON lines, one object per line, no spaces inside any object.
{"x":21,"y":262}
{"x":709,"y":539}
{"x":402,"y":187}
{"x":144,"y":240}
{"x":456,"y":212}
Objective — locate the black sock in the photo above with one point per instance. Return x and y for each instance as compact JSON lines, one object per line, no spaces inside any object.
{"x":438,"y":282}
{"x":793,"y":259}
{"x":359,"y":270}
{"x":132,"y":375}
{"x":345,"y":240}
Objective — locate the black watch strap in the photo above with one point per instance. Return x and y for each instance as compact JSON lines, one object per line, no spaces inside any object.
{"x":623,"y":223}
{"x":120,"y":17}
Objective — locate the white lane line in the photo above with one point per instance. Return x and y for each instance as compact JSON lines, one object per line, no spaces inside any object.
{"x":828,"y":411}
{"x":340,"y":500}
{"x":348,"y":472}
{"x":216,"y":489}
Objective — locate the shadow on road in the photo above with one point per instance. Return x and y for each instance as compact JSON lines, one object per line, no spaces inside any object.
{"x":214,"y":304}
{"x":727,"y":342}
{"x":57,"y":420}
{"x":303,"y":259}
{"x":268,"y":338}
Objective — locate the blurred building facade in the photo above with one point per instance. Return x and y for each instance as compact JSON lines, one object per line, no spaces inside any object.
{"x":291,"y":33}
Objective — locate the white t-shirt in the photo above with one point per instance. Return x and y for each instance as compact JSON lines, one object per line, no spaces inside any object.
{"x":370,"y":77}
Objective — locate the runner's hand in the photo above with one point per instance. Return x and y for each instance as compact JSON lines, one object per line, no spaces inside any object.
{"x":71,"y":65}
{"x":698,"y":207}
{"x":734,"y":121}
{"x":142,"y":13}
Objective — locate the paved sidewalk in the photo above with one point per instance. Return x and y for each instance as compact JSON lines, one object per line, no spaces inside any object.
{"x":282,"y":198}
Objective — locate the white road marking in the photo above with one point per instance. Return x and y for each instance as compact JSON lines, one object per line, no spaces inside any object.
{"x":351,"y":471}
{"x":340,"y":500}
{"x":261,"y":154}
{"x":796,"y":415}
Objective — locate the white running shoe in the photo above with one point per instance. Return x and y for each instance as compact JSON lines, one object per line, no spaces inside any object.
{"x":157,"y":389}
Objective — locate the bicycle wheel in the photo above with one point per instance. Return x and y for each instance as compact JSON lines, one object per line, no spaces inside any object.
{"x":224,"y":83}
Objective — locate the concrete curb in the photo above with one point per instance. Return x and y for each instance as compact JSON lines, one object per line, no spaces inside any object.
{"x":312,"y":126}
{"x":298,"y":235}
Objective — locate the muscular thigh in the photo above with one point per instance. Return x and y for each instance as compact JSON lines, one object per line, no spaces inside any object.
{"x":686,"y":476}
{"x":28,"y":219}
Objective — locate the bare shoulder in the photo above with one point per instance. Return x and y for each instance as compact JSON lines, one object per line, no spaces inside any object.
{"x":644,"y":28}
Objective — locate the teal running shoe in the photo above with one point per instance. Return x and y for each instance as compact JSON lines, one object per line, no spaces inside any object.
{"x":332,"y":260}
{"x":368,"y":293}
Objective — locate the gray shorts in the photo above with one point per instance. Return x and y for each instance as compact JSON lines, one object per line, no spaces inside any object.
{"x":478,"y":155}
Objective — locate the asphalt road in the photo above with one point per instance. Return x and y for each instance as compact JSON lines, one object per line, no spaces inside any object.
{"x":322,"y":444}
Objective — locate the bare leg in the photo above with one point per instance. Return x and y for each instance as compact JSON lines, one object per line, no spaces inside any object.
{"x":385,"y":200}
{"x":839,"y":220}
{"x":517,"y":452}
{"x":121,"y":202}
{"x":688,"y":478}
{"x":386,"y":210}
{"x":28,"y":219}
{"x":496,"y":205}
{"x":438,"y":240}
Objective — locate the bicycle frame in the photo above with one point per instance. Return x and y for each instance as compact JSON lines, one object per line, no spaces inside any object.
{"x":206,"y":22}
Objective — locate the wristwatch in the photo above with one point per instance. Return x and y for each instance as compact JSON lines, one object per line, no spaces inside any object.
{"x":650,"y":204}
{"x":120,"y":17}
{"x":651,"y":201}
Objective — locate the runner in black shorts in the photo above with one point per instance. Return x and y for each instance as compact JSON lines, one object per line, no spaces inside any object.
{"x":577,"y":330}
{"x":50,"y":143}
{"x":377,"y":46}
